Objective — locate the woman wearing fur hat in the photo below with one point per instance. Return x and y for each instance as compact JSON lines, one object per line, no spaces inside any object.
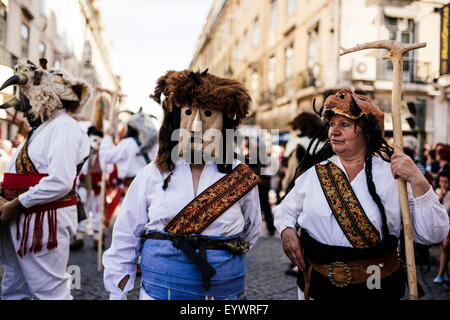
{"x":348,"y":209}
{"x":191,"y":222}
{"x":40,"y":214}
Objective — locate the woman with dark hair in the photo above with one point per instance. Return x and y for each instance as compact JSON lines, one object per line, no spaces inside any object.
{"x":443,"y":156}
{"x":347,"y":208}
{"x":190,"y":222}
{"x":309,"y":125}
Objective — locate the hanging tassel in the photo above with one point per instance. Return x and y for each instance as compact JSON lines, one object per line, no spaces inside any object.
{"x":23,"y":245}
{"x":52,"y":230}
{"x":38,"y":232}
{"x":18,"y":229}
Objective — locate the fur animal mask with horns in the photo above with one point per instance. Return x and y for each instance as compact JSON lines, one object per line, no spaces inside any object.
{"x":148,"y":135}
{"x":197,"y":102}
{"x":42,"y":92}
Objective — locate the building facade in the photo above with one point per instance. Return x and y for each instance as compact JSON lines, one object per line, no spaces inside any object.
{"x":287,"y":52}
{"x":69,"y":34}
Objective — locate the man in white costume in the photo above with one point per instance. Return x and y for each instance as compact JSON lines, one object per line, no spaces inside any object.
{"x":39,"y":211}
{"x":190,"y":222}
{"x":347,"y":208}
{"x":89,"y":190}
{"x":130,"y":154}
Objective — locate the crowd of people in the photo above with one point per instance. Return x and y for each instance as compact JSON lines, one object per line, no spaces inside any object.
{"x":433,"y":163}
{"x":437,"y":171}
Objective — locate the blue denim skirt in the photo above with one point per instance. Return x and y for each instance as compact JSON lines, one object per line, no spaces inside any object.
{"x":166,"y":267}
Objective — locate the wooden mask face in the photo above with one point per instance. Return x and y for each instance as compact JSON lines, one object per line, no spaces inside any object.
{"x":201,"y":130}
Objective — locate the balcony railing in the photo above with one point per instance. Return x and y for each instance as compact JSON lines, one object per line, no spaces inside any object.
{"x":267,"y":97}
{"x":309,"y":77}
{"x":411,"y":70}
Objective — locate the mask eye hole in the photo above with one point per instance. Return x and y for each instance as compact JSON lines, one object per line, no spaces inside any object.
{"x":208,"y":113}
{"x":188,"y":112}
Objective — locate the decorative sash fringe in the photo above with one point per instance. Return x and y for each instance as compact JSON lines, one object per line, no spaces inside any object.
{"x":52,"y":229}
{"x":26,"y":228}
{"x":38,"y":232}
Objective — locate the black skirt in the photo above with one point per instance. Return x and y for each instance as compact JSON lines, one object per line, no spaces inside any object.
{"x":391,"y":287}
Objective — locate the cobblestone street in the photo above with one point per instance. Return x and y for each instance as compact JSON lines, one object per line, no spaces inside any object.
{"x":266,"y":278}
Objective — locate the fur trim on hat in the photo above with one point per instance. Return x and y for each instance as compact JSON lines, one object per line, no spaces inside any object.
{"x":50,"y":90}
{"x":146,"y":130}
{"x":352,"y":105}
{"x":195,"y":89}
{"x":203,"y":90}
{"x":73,"y":92}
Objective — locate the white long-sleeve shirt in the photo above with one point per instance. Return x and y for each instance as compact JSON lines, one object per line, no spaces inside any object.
{"x":125,"y":154}
{"x":307,"y":207}
{"x":148,"y":207}
{"x":56,"y":148}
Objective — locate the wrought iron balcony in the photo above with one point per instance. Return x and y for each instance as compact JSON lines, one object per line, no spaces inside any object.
{"x":308,"y":77}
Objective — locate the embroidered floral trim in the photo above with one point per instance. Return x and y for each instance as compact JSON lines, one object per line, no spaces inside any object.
{"x":23,"y":161}
{"x":346,"y":207}
{"x":212,"y":202}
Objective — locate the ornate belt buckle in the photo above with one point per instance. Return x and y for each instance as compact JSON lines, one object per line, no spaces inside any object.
{"x":347,"y":271}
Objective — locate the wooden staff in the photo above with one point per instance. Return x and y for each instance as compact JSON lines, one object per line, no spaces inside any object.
{"x":88,"y":184}
{"x":112,"y":120}
{"x":396,"y":52}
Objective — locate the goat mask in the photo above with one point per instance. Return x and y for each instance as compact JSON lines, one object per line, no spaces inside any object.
{"x":42,"y":92}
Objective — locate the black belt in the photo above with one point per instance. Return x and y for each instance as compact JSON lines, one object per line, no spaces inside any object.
{"x":188,"y":244}
{"x":236,"y":246}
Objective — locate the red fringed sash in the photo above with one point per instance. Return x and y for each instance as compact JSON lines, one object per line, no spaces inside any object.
{"x":214,"y":201}
{"x":15,"y":184}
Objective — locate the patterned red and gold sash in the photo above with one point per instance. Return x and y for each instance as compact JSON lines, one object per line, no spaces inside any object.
{"x":346,"y":207}
{"x":214,"y":201}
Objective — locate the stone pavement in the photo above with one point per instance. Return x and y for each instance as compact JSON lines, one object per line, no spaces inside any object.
{"x":425,"y":277}
{"x":266,"y":279}
{"x":266,"y":265}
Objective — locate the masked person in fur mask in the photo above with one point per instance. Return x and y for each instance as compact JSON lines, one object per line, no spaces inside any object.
{"x":347,"y":208}
{"x":191,"y":222}
{"x":40,"y":214}
{"x":130,"y":155}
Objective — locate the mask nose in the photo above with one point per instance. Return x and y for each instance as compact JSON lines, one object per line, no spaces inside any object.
{"x":196,"y":123}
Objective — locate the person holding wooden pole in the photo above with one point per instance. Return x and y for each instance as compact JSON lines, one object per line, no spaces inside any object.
{"x":348,"y":209}
{"x":103,"y":161}
{"x":396,"y":51}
